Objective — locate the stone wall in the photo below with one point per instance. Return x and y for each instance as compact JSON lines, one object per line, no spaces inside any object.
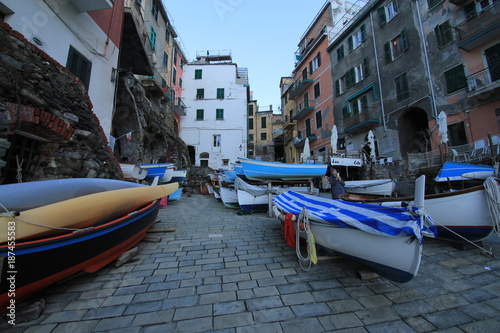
{"x":41,"y":101}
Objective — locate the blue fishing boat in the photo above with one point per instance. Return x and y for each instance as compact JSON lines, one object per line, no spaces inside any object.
{"x":452,"y":171}
{"x":265,"y":170}
{"x":163,"y":171}
{"x":387,"y":240}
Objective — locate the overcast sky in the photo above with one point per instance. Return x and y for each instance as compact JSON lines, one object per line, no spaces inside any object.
{"x":262,"y":36}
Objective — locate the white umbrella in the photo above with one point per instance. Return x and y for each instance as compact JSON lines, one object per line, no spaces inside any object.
{"x":443,"y":127}
{"x":333,"y":139}
{"x":371,"y":139}
{"x":307,"y":151}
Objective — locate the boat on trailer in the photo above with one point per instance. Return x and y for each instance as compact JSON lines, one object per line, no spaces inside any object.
{"x":387,"y":240}
{"x":265,"y":170}
{"x":383,"y":187}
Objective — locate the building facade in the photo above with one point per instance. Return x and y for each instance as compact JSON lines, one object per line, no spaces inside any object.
{"x":265,"y":129}
{"x":216,"y":95}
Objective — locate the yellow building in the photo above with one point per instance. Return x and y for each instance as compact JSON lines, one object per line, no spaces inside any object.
{"x":291,"y":154}
{"x":265,"y":127}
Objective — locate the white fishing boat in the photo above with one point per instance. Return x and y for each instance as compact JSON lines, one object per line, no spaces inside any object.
{"x":229,"y":197}
{"x":133,"y":171}
{"x":383,"y":187}
{"x":387,"y":240}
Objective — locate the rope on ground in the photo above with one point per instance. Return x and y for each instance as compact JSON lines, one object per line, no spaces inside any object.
{"x":493,"y":199}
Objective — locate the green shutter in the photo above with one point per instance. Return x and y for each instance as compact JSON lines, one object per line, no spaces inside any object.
{"x":387,"y":52}
{"x":363,"y":32}
{"x":350,"y":45}
{"x":404,"y":40}
{"x":366,"y":69}
{"x":337,"y":88}
{"x":381,"y":15}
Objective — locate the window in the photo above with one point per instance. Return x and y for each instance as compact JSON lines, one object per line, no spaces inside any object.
{"x":167,"y":36}
{"x":204,"y":163}
{"x":154,"y":11}
{"x":263,"y":122}
{"x":359,"y":104}
{"x":220,"y":92}
{"x":317,"y":90}
{"x":357,"y":39}
{"x":175,"y":57}
{"x":455,"y":79}
{"x":180,"y":82}
{"x":165,"y":59}
{"x":396,"y":47}
{"x":444,"y":34}
{"x":402,"y":89}
{"x":315,"y":63}
{"x":340,"y":86}
{"x":433,"y":3}
{"x":80,"y":66}
{"x":387,"y":12}
{"x":263,"y":136}
{"x":250,"y":124}
{"x":217,"y":140}
{"x":308,"y":127}
{"x":200,"y":93}
{"x":319,"y":120}
{"x":174,"y":76}
{"x":250,"y":110}
{"x":219,"y":114}
{"x":152,"y":38}
{"x":197,"y":74}
{"x":225,"y":161}
{"x":340,"y":53}
{"x":361,"y":70}
{"x":250,"y":137}
{"x":199,"y":114}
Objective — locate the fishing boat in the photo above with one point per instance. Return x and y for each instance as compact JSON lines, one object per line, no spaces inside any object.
{"x":255,"y":198}
{"x":264,"y":170}
{"x":461,"y":215}
{"x":133,"y":171}
{"x":178,"y":176}
{"x":383,"y":187}
{"x":453,"y":171}
{"x":387,"y":240}
{"x":28,"y":195}
{"x":42,"y":262}
{"x":229,"y":197}
{"x":176,"y":196}
{"x":80,"y":212}
{"x":164,"y":171}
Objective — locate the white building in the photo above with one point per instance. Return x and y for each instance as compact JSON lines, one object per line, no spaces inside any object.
{"x":216,"y":97}
{"x":77,"y":35}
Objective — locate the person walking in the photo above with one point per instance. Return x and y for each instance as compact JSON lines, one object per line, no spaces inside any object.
{"x":337,"y":184}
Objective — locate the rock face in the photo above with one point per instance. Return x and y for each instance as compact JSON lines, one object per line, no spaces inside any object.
{"x":48,"y":129}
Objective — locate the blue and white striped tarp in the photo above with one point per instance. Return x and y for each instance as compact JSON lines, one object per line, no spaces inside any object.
{"x":375,"y":219}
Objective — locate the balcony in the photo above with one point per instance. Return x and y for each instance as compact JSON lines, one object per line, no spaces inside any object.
{"x":288,"y":123}
{"x":169,"y":93}
{"x":480,"y":28}
{"x":179,"y":108}
{"x":91,"y":5}
{"x":157,"y":87}
{"x":361,"y":122}
{"x":484,"y":84}
{"x":303,"y":109}
{"x":300,"y":85}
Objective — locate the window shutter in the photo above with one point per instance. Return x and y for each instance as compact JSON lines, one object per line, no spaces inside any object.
{"x":366,"y":69}
{"x":404,"y":40}
{"x":319,"y":59}
{"x":387,"y":52}
{"x":350,"y":45}
{"x":337,"y":88}
{"x":395,"y":5}
{"x":363,"y":32}
{"x":381,"y":15}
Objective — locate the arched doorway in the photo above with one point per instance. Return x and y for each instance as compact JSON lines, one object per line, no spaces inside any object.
{"x":413,"y":131}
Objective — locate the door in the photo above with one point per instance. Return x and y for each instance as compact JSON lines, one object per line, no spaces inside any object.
{"x":493,"y":59}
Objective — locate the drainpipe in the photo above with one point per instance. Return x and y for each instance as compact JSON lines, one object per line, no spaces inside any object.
{"x":378,"y":73}
{"x":427,"y":65}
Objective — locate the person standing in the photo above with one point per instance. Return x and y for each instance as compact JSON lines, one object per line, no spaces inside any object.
{"x":337,"y":184}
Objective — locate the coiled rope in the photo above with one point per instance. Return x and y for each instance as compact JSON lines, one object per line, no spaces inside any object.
{"x":303,"y":226}
{"x":493,"y":198}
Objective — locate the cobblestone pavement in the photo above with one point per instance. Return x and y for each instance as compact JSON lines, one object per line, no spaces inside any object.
{"x":220,"y":271}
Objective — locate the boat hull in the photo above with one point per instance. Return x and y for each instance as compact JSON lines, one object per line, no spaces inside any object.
{"x":263,"y":170}
{"x":133,"y":171}
{"x":164,"y":171}
{"x":40,"y":263}
{"x":179,"y":176}
{"x":395,"y":258}
{"x":383,"y":187}
{"x":229,"y":196}
{"x":464,"y":212}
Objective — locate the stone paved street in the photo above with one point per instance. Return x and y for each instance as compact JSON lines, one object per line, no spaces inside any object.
{"x":220,"y":271}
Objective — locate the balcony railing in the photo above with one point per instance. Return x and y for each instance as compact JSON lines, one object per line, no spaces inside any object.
{"x":157,"y":86}
{"x":361,"y":121}
{"x":480,"y":28}
{"x":303,"y":109}
{"x":179,"y":108}
{"x":482,"y":79}
{"x":288,"y":122}
{"x":300,"y":85}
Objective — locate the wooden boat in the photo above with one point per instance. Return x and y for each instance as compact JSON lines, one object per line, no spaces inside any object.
{"x":28,"y":195}
{"x":42,"y":262}
{"x":229,"y":197}
{"x":371,"y":187}
{"x":458,"y":214}
{"x":453,"y":171}
{"x":387,"y":240}
{"x":176,"y":195}
{"x":164,"y":171}
{"x":133,"y":171}
{"x":178,"y":176}
{"x":81,"y":212}
{"x":264,"y":170}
